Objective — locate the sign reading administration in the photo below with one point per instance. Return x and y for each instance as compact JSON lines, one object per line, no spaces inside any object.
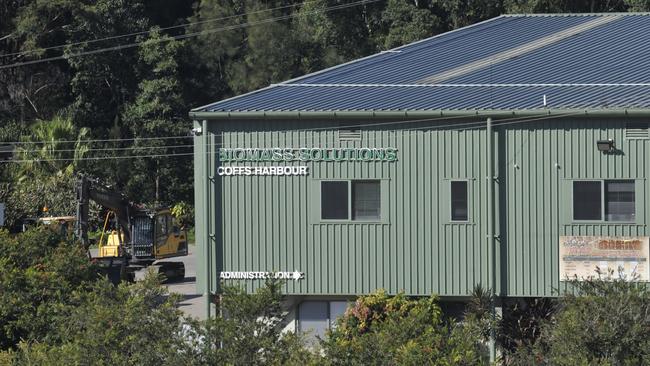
{"x":257,"y":275}
{"x":581,"y":256}
{"x":307,"y":154}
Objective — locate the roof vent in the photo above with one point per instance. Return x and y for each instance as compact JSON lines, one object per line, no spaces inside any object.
{"x":636,"y":131}
{"x":349,"y":135}
{"x":348,"y":132}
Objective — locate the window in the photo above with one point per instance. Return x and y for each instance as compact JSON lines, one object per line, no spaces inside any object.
{"x":459,"y":201}
{"x":617,"y":196}
{"x":355,"y":200}
{"x":366,"y":197}
{"x":334,"y":200}
{"x":337,"y":309}
{"x":161,"y":225}
{"x":315,"y":317}
{"x":619,"y":201}
{"x":587,"y":200}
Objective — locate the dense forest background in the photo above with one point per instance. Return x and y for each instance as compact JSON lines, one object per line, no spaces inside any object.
{"x":104,"y":86}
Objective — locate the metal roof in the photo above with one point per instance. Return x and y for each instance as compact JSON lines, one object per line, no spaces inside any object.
{"x":509,"y":63}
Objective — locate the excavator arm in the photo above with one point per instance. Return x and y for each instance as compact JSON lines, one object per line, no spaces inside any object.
{"x":88,"y":189}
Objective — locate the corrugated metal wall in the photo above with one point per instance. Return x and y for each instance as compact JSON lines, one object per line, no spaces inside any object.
{"x":270,"y":223}
{"x":541,"y":162}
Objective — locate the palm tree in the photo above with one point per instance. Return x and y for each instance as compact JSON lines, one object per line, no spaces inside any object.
{"x":52,"y":149}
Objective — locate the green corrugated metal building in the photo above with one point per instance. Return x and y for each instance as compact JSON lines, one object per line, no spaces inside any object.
{"x":509,"y":154}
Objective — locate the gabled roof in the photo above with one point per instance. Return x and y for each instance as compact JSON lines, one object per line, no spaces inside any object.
{"x":509,"y":63}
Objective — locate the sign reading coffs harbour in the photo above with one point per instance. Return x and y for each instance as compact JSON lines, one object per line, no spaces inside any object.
{"x":307,"y":154}
{"x":581,"y":256}
{"x":263,"y":170}
{"x":236,"y":155}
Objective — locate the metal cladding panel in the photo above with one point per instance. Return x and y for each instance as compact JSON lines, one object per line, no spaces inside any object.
{"x":540,"y":164}
{"x":271,"y":223}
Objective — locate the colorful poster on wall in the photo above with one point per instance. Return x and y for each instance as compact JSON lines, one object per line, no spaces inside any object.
{"x":581,"y":256}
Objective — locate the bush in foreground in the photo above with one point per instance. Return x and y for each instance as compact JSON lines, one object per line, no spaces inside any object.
{"x":39,"y":271}
{"x":606,"y":321}
{"x":396,"y":330}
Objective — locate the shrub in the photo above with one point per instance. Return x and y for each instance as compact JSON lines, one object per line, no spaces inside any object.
{"x":606,"y":321}
{"x":248,"y":332}
{"x":395,"y":330}
{"x":40,"y":270}
{"x":129,"y":324}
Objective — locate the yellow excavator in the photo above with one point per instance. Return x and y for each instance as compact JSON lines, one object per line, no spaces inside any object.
{"x":139,"y":238}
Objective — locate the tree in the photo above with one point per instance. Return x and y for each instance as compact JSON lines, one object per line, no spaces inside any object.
{"x":129,"y":324}
{"x":103,"y":83}
{"x":602,"y":321}
{"x":396,"y":330}
{"x":404,"y":23}
{"x":40,"y":269}
{"x":27,"y":27}
{"x":249,"y":331}
{"x":43,"y":174}
{"x":159,"y":111}
{"x":206,"y":69}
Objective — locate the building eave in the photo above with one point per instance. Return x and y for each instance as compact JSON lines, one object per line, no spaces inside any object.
{"x":622,"y":112}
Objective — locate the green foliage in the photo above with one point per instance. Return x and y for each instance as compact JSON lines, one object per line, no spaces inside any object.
{"x":44,"y":176}
{"x":158,"y":110}
{"x":395,"y":330}
{"x":39,"y":272}
{"x":604,"y":321}
{"x":249,"y":331}
{"x":522,"y":322}
{"x":405,"y":23}
{"x":184,"y":214}
{"x":45,"y":155}
{"x":129,"y":324}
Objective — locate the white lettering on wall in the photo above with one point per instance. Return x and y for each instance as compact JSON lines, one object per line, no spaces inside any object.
{"x":262,"y":170}
{"x":254,"y":275}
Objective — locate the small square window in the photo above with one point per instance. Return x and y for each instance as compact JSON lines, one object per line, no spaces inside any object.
{"x":334,"y":200}
{"x":459,"y":201}
{"x":366,"y":200}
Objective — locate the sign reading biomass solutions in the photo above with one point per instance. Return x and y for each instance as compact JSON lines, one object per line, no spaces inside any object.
{"x":230,"y":155}
{"x":580,"y":256}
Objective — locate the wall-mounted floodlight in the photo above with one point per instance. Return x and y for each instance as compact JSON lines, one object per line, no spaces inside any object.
{"x":605,"y":145}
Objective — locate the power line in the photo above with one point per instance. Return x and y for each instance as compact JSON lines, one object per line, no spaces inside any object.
{"x":339,"y":127}
{"x":96,"y":158}
{"x":482,"y":125}
{"x":188,"y":35}
{"x":96,"y":140}
{"x":150,"y":31}
{"x":397,"y":122}
{"x":471,"y":125}
{"x":108,"y":149}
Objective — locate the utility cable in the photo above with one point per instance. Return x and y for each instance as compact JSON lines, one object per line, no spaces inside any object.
{"x":95,"y":158}
{"x":159,"y":29}
{"x":325,"y":128}
{"x":526,"y":120}
{"x":188,"y":35}
{"x":470,"y":125}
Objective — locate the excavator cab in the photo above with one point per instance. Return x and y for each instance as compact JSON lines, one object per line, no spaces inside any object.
{"x":140,"y":237}
{"x":157,"y":236}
